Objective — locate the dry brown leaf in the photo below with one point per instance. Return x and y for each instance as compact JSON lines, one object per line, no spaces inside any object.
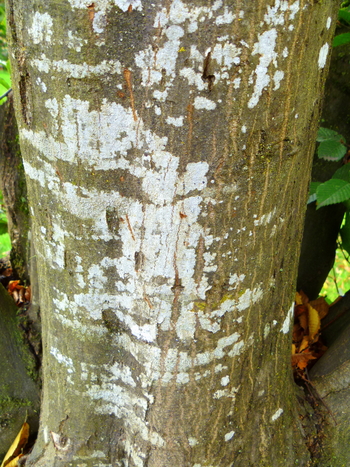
{"x":17,"y":446}
{"x":299,"y":309}
{"x":301,"y":360}
{"x":304,"y":344}
{"x":304,"y":297}
{"x":303,"y":320}
{"x":298,"y":333}
{"x":298,"y":299}
{"x":14,"y":462}
{"x":314,"y":321}
{"x":321,"y":306}
{"x":13,"y":285}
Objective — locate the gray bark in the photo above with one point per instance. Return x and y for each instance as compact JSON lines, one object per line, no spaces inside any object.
{"x":167,"y":148}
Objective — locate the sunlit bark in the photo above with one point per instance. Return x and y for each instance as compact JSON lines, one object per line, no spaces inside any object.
{"x":167,"y":147}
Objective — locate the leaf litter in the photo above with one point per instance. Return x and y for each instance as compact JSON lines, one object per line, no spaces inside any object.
{"x":307,"y":345}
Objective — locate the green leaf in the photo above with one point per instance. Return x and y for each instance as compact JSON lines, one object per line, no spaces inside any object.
{"x":3,"y":217}
{"x":5,"y":78}
{"x":344,"y":15}
{"x":3,"y":227}
{"x":331,"y":150}
{"x":4,"y":84}
{"x":325,"y":134}
{"x":332,"y":191}
{"x":341,"y":39}
{"x":5,"y":244}
{"x":312,"y":192}
{"x":343,"y":173}
{"x":345,"y":233}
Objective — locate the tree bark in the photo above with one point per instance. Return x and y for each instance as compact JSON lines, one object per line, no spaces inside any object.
{"x":13,"y":187}
{"x":167,"y":147}
{"x":19,"y":389}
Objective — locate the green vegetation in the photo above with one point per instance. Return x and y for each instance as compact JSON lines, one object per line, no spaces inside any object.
{"x":5,"y":242}
{"x":344,"y":18}
{"x":5,"y":69}
{"x":337,"y":283}
{"x":333,"y":147}
{"x":5,"y":84}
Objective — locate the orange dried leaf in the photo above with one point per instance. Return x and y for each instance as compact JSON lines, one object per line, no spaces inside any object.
{"x":304,"y":344}
{"x":301,"y":360}
{"x":293,"y":349}
{"x":12,"y":286}
{"x":17,"y":446}
{"x":314,"y":321}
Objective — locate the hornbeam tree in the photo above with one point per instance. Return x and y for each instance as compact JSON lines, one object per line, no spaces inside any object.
{"x":167,"y":146}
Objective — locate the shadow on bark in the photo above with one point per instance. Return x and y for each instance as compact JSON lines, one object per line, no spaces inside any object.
{"x":19,"y":387}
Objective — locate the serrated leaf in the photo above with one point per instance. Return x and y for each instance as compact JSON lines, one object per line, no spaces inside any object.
{"x":345,"y":233}
{"x":331,"y":150}
{"x":332,"y":191}
{"x":343,"y":173}
{"x":324,"y":134}
{"x":341,"y":39}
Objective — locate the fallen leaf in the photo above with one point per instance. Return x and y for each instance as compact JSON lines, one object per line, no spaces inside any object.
{"x":298,"y":299}
{"x":12,"y":286}
{"x":304,"y":297}
{"x":299,"y":309}
{"x":304,"y":344}
{"x":314,"y":321}
{"x":321,"y":306}
{"x":15,"y":461}
{"x":303,"y":321}
{"x":301,"y":360}
{"x":17,"y":446}
{"x":298,"y":333}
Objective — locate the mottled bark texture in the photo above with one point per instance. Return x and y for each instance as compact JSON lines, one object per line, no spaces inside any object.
{"x":167,"y":147}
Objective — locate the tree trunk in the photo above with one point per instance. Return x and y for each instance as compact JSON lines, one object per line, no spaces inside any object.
{"x":13,"y":187}
{"x":19,"y":389}
{"x":167,"y":148}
